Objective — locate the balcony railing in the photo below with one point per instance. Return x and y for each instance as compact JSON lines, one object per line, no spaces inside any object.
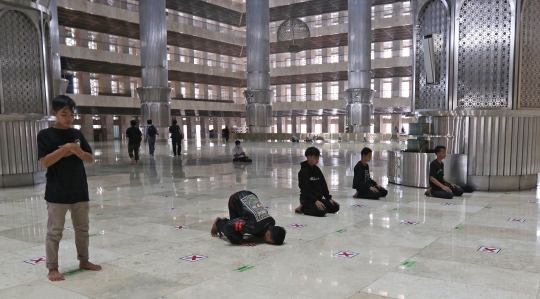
{"x":118,"y":4}
{"x":335,"y":58}
{"x":132,"y":50}
{"x":405,"y":93}
{"x":205,"y":25}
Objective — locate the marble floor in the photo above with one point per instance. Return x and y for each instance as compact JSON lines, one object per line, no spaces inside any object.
{"x":133,"y":210}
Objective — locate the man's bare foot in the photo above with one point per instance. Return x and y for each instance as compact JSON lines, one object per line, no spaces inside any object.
{"x":54,"y":275}
{"x":214,"y":231}
{"x":89,"y":266}
{"x":298,"y":210}
{"x":428,"y":192}
{"x":355,"y":195}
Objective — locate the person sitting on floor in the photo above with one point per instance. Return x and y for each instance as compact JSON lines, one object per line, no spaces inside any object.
{"x":247,"y":216}
{"x":365,"y":186}
{"x":315,"y":199}
{"x":239,"y":154}
{"x":439,"y":187}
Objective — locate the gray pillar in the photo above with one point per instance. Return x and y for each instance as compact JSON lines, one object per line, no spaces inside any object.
{"x":59,"y":85}
{"x":87,"y":126}
{"x":325,"y":124}
{"x":359,"y":96}
{"x":309,"y":124}
{"x":155,"y":92}
{"x":293,"y":125}
{"x":258,"y":95}
{"x":107,"y":124}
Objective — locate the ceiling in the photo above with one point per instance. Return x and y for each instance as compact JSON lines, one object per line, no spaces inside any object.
{"x":221,"y":14}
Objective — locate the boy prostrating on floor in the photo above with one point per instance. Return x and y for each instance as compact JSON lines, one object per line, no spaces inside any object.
{"x":62,"y":150}
{"x":315,"y":199}
{"x":248,"y":216}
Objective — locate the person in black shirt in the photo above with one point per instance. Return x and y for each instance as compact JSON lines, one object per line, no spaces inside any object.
{"x":439,"y":186}
{"x":225,"y":133}
{"x":362,"y":182}
{"x":315,"y":199}
{"x":176,"y":137}
{"x":134,"y":136}
{"x":247,"y":216}
{"x":62,"y":150}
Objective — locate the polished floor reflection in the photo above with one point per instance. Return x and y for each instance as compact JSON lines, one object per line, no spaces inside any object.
{"x":133,"y":210}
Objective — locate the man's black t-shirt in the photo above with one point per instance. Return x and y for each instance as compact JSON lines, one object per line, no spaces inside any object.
{"x":134,"y":135}
{"x":175,"y":131}
{"x":436,"y":170}
{"x":66,"y":179}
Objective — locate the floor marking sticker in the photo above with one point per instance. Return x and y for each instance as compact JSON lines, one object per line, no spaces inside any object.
{"x":487,"y":207}
{"x":345,"y":254}
{"x":358,"y":206}
{"x":180,"y":227}
{"x":448,"y":204}
{"x":297,"y":225}
{"x":94,"y":235}
{"x":172,"y":209}
{"x":193,"y":258}
{"x":341,"y":231}
{"x":529,"y":201}
{"x":73,"y":272}
{"x":395,"y":209}
{"x":100,"y":214}
{"x":516,"y":220}
{"x":68,"y":228}
{"x":244,"y":268}
{"x":489,"y":249}
{"x":458,"y":227}
{"x":407,"y":264}
{"x":6,"y":198}
{"x":39,"y":260}
{"x":409,"y":222}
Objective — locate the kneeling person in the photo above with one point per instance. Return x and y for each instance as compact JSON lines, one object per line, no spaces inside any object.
{"x":248,"y":216}
{"x":315,"y":199}
{"x":439,"y":186}
{"x":362,"y":182}
{"x":239,"y":154}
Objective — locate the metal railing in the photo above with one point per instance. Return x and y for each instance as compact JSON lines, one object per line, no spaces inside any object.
{"x":205,"y":25}
{"x":226,"y":99}
{"x":205,"y":61}
{"x":405,"y":93}
{"x":118,"y":4}
{"x":335,"y":58}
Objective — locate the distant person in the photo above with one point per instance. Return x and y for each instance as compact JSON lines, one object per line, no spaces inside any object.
{"x":62,"y":150}
{"x":295,"y":139}
{"x":239,"y":154}
{"x":365,"y":186}
{"x":150,"y":136}
{"x":248,"y":216}
{"x":315,"y":199}
{"x":134,"y":136}
{"x":440,"y":187}
{"x":225,"y":133}
{"x":176,"y":137}
{"x":402,"y":130}
{"x":396,"y":130}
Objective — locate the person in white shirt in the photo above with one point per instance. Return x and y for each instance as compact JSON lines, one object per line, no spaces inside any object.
{"x":239,"y":154}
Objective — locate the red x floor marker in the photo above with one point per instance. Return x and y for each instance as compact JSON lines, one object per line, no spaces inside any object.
{"x":345,"y":254}
{"x":448,"y":204}
{"x":193,"y":258}
{"x":359,"y":206}
{"x":532,"y":202}
{"x":489,"y":249}
{"x":409,"y":222}
{"x":36,"y":261}
{"x":180,"y":227}
{"x":516,"y":220}
{"x":297,"y":225}
{"x":68,"y":228}
{"x":172,"y":209}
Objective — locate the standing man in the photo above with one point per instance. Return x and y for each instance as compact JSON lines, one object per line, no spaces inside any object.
{"x":62,"y":150}
{"x":225,"y":133}
{"x":440,"y":187}
{"x":150,"y":136}
{"x":175,"y":137}
{"x":135,"y":137}
{"x":362,"y":182}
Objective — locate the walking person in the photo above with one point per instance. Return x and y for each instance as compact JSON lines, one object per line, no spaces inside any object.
{"x":134,"y":144}
{"x":150,"y":136}
{"x":225,"y":133}
{"x":176,"y":137}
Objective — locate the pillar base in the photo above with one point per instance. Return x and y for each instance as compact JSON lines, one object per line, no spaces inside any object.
{"x":259,"y":116}
{"x":156,"y":105}
{"x":60,"y":86}
{"x":359,"y":109}
{"x":503,"y":183}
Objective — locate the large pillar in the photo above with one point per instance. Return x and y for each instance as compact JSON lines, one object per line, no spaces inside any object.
{"x":59,"y":85}
{"x":258,"y":95}
{"x":155,"y":92}
{"x":359,"y":95}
